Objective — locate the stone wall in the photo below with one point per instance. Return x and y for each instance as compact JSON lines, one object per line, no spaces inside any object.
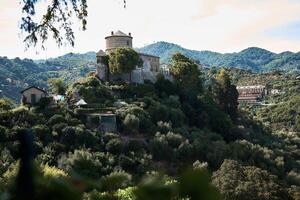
{"x":115,"y":41}
{"x":153,"y":61}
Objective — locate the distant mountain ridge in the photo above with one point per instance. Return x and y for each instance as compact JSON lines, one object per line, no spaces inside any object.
{"x":16,"y":74}
{"x":253,"y":58}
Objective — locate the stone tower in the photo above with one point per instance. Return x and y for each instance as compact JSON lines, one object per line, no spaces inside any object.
{"x":102,"y":68}
{"x":117,"y":40}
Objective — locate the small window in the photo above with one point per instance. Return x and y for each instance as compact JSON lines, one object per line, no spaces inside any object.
{"x":127,"y":42}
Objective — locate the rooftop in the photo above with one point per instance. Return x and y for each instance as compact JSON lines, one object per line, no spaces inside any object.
{"x":251,"y":87}
{"x":118,"y":34}
{"x":101,"y":53}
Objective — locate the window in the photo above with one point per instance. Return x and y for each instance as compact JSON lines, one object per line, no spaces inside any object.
{"x":128,"y":42}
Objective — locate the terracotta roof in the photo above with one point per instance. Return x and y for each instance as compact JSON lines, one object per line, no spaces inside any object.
{"x":33,"y":87}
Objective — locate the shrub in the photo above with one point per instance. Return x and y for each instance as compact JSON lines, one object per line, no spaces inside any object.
{"x":3,"y":133}
{"x":114,"y":146}
{"x":81,"y":162}
{"x":42,"y":133}
{"x":56,"y":119}
{"x":131,"y":124}
{"x":44,"y":102}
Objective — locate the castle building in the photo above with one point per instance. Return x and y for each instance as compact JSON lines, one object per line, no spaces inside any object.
{"x":149,"y":70}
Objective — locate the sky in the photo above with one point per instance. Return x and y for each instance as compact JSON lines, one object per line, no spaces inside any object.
{"x":216,"y":25}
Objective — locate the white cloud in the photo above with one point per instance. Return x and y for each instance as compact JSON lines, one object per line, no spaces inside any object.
{"x":219,"y":25}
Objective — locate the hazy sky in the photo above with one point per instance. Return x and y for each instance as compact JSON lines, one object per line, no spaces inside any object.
{"x":217,"y":25}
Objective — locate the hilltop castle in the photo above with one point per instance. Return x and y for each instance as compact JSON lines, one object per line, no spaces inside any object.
{"x":149,"y":70}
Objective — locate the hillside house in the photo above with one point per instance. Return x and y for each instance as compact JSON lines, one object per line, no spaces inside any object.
{"x":251,"y":94}
{"x":106,"y":122}
{"x":32,"y":95}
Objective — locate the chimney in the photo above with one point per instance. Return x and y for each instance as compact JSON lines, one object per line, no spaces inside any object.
{"x":112,"y":33}
{"x":129,"y":34}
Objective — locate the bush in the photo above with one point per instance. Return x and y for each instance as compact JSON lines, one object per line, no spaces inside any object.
{"x":6,"y":104}
{"x":114,"y":146}
{"x":56,"y":119}
{"x":131,"y":124}
{"x":81,"y":162}
{"x":3,"y":133}
{"x":42,"y":133}
{"x":160,"y":148}
{"x":44,"y":102}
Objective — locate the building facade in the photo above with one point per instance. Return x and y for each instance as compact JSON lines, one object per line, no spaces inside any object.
{"x":32,"y":95}
{"x":251,"y":94}
{"x":148,"y":71}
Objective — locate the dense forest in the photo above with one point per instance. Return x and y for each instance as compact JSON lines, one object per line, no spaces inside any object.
{"x":186,"y":139}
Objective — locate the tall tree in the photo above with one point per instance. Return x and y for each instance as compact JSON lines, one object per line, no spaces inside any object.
{"x":226,"y":94}
{"x":186,"y":74}
{"x":124,"y":60}
{"x":57,"y":86}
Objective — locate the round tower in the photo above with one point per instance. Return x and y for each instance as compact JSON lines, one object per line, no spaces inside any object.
{"x":117,"y":40}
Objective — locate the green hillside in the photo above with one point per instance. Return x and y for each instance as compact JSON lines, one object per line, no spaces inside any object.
{"x":16,"y":74}
{"x":234,"y":152}
{"x":253,"y":58}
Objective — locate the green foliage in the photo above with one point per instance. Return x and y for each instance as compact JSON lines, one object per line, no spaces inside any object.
{"x":6,"y":104}
{"x":160,"y":112}
{"x":284,"y":115}
{"x":238,"y":182}
{"x":115,"y":181}
{"x":131,"y":124}
{"x":186,"y":74}
{"x":123,"y":60}
{"x":193,"y":184}
{"x":56,"y":119}
{"x":3,"y":133}
{"x":57,"y":21}
{"x":57,"y":86}
{"x":16,"y":74}
{"x":81,"y":162}
{"x":44,"y":102}
{"x":226,"y":94}
{"x":165,"y":87}
{"x":171,"y":133}
{"x":92,"y":90}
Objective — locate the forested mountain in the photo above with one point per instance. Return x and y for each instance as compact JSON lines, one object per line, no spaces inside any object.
{"x":253,"y":58}
{"x":16,"y":74}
